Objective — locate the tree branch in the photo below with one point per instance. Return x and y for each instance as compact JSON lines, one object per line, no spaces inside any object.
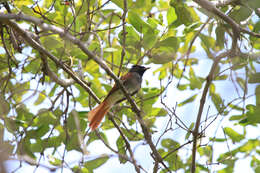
{"x":209,"y":6}
{"x":210,"y":78}
{"x":41,"y":49}
{"x":65,"y":34}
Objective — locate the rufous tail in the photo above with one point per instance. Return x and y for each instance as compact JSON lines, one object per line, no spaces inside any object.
{"x":96,"y":115}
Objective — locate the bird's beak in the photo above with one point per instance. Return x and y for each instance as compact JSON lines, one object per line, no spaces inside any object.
{"x":147,"y":68}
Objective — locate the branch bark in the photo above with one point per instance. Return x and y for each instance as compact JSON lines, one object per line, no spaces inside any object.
{"x":196,"y":133}
{"x":6,"y":18}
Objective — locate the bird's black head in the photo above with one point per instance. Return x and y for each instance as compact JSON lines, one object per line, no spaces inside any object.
{"x":139,"y":69}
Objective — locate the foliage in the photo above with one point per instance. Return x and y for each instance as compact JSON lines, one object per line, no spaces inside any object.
{"x":180,"y":40}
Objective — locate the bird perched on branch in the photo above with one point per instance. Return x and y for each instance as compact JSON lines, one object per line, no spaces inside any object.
{"x":131,"y":81}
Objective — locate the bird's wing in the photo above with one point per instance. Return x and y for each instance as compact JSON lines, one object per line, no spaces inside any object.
{"x":123,"y":79}
{"x":125,"y":98}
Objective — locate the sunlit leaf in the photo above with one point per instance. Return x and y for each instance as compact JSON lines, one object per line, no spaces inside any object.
{"x":150,"y":38}
{"x":121,"y":148}
{"x":169,"y":143}
{"x":132,"y":135}
{"x":188,"y":100}
{"x":138,"y":23}
{"x":54,"y":161}
{"x":241,"y":13}
{"x":95,"y":163}
{"x":257,"y":94}
{"x":189,"y":132}
{"x":51,"y":42}
{"x":171,"y":15}
{"x":254,"y":78}
{"x":4,"y":106}
{"x":40,"y":99}
{"x":220,"y":35}
{"x":110,"y":49}
{"x":235,"y":137}
{"x":218,"y":102}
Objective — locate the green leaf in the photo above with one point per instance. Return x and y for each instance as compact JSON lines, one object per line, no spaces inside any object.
{"x":37,"y":147}
{"x":254,"y":78}
{"x":21,"y":89}
{"x":195,"y":81}
{"x":95,"y":163}
{"x":39,"y":132}
{"x":80,"y":169}
{"x":241,"y":13}
{"x":253,"y":39}
{"x":138,"y":23}
{"x":218,"y":102}
{"x":159,"y":112}
{"x":253,"y":114}
{"x":249,"y":146}
{"x":189,"y":132}
{"x":171,"y":15}
{"x":110,"y":49}
{"x":218,"y":139}
{"x":257,"y":169}
{"x":132,"y":135}
{"x":220,"y":36}
{"x":120,"y":3}
{"x":169,"y":143}
{"x":54,"y":161}
{"x":150,"y":38}
{"x":51,"y":42}
{"x":169,"y":42}
{"x":234,"y":136}
{"x":153,"y":22}
{"x":55,"y":141}
{"x":11,"y":125}
{"x":40,"y":99}
{"x":132,"y":38}
{"x":46,"y":117}
{"x":22,"y":3}
{"x":257,"y":94}
{"x":34,"y":66}
{"x":205,"y":151}
{"x":207,"y":40}
{"x":186,"y":15}
{"x":183,"y":87}
{"x":241,"y":83}
{"x":236,"y":117}
{"x":23,"y":113}
{"x":188,"y":100}
{"x":236,"y":107}
{"x":121,"y":148}
{"x":27,"y":10}
{"x":4,"y":106}
{"x":73,"y":142}
{"x":162,"y":55}
{"x":254,"y":4}
{"x":93,"y":137}
{"x":222,"y":77}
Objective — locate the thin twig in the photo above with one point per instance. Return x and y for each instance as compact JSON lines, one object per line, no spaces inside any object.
{"x":66,"y":35}
{"x":210,"y":77}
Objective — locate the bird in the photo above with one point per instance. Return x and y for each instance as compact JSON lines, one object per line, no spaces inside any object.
{"x":131,"y":81}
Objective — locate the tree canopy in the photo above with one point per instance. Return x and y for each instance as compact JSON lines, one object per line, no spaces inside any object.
{"x":199,"y":106}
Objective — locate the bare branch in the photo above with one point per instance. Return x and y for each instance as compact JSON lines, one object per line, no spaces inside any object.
{"x":65,"y":34}
{"x":210,"y":77}
{"x":237,"y":29}
{"x":38,"y":47}
{"x":124,"y":37}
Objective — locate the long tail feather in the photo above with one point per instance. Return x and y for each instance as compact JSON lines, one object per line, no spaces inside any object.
{"x":96,"y":115}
